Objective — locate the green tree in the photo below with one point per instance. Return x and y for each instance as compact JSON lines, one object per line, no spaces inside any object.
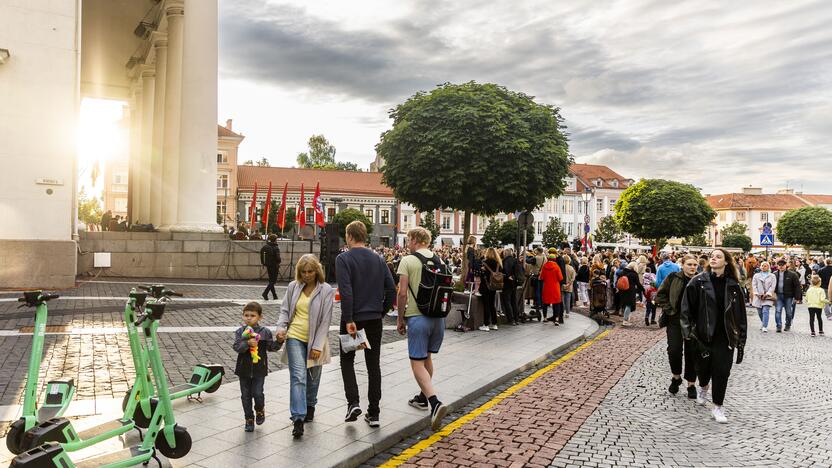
{"x":734,"y":229}
{"x":248,"y":162}
{"x":479,"y":148}
{"x":740,"y":241}
{"x":429,"y":222}
{"x":608,"y":231}
{"x":554,"y":235}
{"x":810,"y":227}
{"x":321,"y":154}
{"x":263,"y":162}
{"x":89,"y":209}
{"x":698,"y":240}
{"x":349,"y":215}
{"x":656,"y":209}
{"x":491,"y":236}
{"x":508,"y":232}
{"x":347,"y":166}
{"x":290,"y":218}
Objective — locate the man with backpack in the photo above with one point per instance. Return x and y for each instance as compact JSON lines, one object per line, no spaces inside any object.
{"x":367,"y":292}
{"x":424,"y":283}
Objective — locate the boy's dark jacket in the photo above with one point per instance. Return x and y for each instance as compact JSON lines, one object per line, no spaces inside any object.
{"x":244,"y":367}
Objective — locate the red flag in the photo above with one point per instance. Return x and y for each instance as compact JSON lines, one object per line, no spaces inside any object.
{"x":268,"y":207}
{"x":253,"y":209}
{"x":300,"y":216}
{"x":281,"y":215}
{"x":319,"y":206}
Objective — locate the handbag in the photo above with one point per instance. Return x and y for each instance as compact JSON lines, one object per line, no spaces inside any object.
{"x":664,"y":319}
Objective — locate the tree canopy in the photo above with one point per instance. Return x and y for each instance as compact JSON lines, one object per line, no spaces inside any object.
{"x":507,"y":233}
{"x":263,"y":162}
{"x":656,"y":209}
{"x":89,"y":209}
{"x":491,"y":236}
{"x":349,"y":215}
{"x":554,"y":235}
{"x":698,"y":240}
{"x":810,"y":227}
{"x":290,"y":218}
{"x":321,"y":155}
{"x":734,"y":229}
{"x":429,"y":222}
{"x":740,"y":241}
{"x":608,"y":230}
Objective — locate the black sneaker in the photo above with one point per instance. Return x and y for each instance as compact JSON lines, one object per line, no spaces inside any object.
{"x":265,"y":297}
{"x":778,"y":330}
{"x":260,"y":417}
{"x":788,"y":327}
{"x":249,"y":425}
{"x":674,"y":386}
{"x":372,"y":421}
{"x":310,"y":414}
{"x":692,"y":392}
{"x":297,"y":430}
{"x":439,"y":411}
{"x":353,"y":412}
{"x":419,"y":402}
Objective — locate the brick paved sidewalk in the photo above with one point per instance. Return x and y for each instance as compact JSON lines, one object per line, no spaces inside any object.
{"x":531,"y":426}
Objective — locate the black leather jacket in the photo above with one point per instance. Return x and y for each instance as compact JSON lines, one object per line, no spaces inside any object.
{"x":698,"y":311}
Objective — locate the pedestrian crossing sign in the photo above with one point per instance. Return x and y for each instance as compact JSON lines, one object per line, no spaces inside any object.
{"x":766,"y":240}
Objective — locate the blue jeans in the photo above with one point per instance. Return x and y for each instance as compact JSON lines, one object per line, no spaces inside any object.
{"x":627,"y":312}
{"x":784,"y":303}
{"x":538,"y":294}
{"x":567,"y":301}
{"x":251,"y":388}
{"x":763,"y":313}
{"x":303,"y":381}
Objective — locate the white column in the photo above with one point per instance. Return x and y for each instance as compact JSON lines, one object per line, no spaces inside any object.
{"x":148,"y":77}
{"x":173,"y":106}
{"x":135,"y":151}
{"x":198,"y":140}
{"x":160,"y":45}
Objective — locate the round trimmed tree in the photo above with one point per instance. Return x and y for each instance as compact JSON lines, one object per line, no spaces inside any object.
{"x":810,"y":227}
{"x":657,"y":209}
{"x":479,"y":148}
{"x":349,"y":215}
{"x":740,"y":241}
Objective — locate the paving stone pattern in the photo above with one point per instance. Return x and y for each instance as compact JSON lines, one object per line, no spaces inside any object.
{"x":778,"y":404}
{"x":534,"y":424}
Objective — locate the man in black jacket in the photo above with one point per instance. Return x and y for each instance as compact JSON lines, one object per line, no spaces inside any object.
{"x":825,"y":274}
{"x":270,"y":258}
{"x":788,"y":291}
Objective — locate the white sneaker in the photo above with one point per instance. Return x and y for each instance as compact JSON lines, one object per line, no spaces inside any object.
{"x":700,"y":396}
{"x":719,"y":415}
{"x":765,"y":330}
{"x":493,"y":327}
{"x":392,"y":313}
{"x":484,"y":328}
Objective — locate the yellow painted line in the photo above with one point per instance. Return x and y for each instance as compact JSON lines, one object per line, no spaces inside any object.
{"x":446,"y":431}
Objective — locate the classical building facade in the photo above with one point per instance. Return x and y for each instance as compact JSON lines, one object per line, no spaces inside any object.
{"x":754,"y":208}
{"x":228,"y":143}
{"x":339,"y":190}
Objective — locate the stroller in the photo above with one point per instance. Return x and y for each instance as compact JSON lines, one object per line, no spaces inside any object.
{"x":598,"y":301}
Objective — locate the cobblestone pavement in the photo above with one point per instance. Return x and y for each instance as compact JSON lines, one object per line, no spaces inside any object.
{"x":609,"y":406}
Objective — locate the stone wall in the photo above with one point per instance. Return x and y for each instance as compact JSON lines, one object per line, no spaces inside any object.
{"x":184,"y":255}
{"x":33,"y":264}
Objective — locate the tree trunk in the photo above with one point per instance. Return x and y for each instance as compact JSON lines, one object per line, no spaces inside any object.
{"x":466,"y":231}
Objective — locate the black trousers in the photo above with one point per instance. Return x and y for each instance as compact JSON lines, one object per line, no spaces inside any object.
{"x":815,"y":311}
{"x":251,"y":388}
{"x":716,"y":367}
{"x":510,"y":301}
{"x":272,"y":280}
{"x":677,"y":348}
{"x":372,"y":356}
{"x":489,"y":309}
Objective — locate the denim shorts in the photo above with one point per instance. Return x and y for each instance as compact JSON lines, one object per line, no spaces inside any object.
{"x":424,"y":335}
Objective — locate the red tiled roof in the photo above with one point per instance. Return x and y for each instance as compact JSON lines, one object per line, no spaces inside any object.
{"x":224,"y":132}
{"x":358,"y":183}
{"x":587,"y":174}
{"x":734,"y":201}
{"x":816,"y":199}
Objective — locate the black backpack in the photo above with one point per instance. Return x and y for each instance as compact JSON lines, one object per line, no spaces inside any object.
{"x":433,"y":295}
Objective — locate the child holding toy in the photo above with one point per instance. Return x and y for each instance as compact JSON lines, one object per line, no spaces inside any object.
{"x":251,"y":341}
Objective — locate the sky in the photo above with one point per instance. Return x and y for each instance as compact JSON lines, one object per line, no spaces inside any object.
{"x":717,"y":94}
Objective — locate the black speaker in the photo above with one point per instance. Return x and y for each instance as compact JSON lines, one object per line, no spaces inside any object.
{"x":330,"y":247}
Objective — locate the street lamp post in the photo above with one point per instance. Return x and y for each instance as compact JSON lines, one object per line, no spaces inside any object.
{"x":586,"y":196}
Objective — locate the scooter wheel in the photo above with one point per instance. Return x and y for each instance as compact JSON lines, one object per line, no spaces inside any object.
{"x":14,"y":438}
{"x":183,"y":443}
{"x":126,"y":399}
{"x":140,"y":419}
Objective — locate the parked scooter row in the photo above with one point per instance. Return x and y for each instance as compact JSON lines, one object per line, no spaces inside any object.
{"x":43,"y":438}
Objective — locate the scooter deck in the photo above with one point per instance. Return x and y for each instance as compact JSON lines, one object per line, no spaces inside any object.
{"x":134,"y":454}
{"x":58,"y":395}
{"x":113,"y":425}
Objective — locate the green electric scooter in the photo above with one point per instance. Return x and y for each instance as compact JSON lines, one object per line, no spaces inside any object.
{"x":163,"y":434}
{"x":58,"y":392}
{"x":139,"y":403}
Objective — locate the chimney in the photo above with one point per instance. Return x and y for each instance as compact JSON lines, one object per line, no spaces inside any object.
{"x":228,"y":124}
{"x":752,"y":190}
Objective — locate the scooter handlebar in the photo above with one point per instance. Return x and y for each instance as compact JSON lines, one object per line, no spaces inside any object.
{"x":49,"y":297}
{"x":169,"y":293}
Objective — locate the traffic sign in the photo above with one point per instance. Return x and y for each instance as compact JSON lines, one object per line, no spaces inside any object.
{"x":525,"y":219}
{"x":586,"y":219}
{"x":766,"y":240}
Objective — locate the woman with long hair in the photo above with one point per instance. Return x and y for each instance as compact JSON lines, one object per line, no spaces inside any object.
{"x":713,"y":316}
{"x":471,"y":256}
{"x":492,"y":264}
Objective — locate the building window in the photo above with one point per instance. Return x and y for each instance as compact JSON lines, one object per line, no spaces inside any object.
{"x":371,"y":214}
{"x":222,"y":181}
{"x":446,"y":222}
{"x":567,"y":228}
{"x":599,"y":205}
{"x":540,"y":227}
{"x":741,"y":216}
{"x":407,"y":221}
{"x":567,"y":206}
{"x":599,"y":182}
{"x":385,"y":216}
{"x":310,"y":216}
{"x":222,"y":157}
{"x":722,"y":216}
{"x":764,"y":216}
{"x":221,"y":210}
{"x":330,"y":213}
{"x":120,"y":205}
{"x":612,"y":206}
{"x":120,"y":178}
{"x":482,"y":223}
{"x":614,"y":183}
{"x":777,"y":216}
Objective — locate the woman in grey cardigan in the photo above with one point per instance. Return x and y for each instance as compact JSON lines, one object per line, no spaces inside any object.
{"x":762,"y":286}
{"x":304,"y":324}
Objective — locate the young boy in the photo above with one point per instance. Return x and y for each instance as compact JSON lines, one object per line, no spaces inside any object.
{"x":253,"y":375}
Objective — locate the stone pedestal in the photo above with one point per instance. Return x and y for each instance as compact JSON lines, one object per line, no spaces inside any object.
{"x":33,"y":264}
